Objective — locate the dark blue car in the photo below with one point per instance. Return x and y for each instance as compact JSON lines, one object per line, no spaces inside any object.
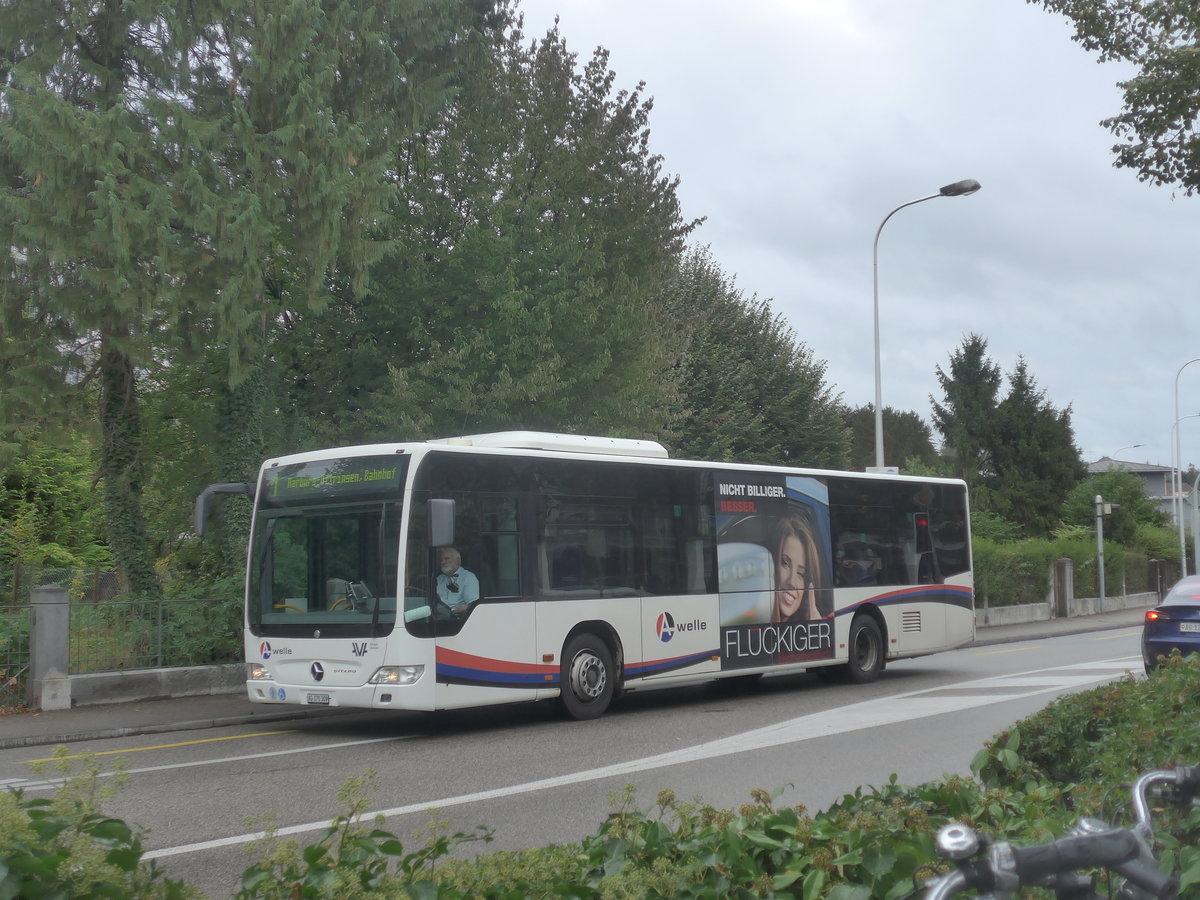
{"x":1174,"y":623}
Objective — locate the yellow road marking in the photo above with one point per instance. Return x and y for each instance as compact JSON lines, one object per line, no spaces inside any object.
{"x":235,"y":737}
{"x":994,"y":652}
{"x":1111,"y":637}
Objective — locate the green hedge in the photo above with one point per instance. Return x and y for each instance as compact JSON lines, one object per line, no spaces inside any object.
{"x":1033,"y":781}
{"x":1012,"y":573}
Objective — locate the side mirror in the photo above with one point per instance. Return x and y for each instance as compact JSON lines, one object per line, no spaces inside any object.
{"x":206,"y":495}
{"x":441,"y":523}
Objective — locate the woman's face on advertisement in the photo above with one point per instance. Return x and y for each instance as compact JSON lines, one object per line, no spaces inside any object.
{"x":791,"y":576}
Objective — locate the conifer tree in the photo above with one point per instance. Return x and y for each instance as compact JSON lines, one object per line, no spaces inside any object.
{"x":1036,"y":464}
{"x":86,"y":213}
{"x":965,"y":418}
{"x":1017,"y":453}
{"x":180,"y":176}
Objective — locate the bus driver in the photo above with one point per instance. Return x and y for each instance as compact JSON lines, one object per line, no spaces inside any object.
{"x":457,"y":587}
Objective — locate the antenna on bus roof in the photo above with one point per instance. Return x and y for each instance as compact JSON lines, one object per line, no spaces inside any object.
{"x":571,"y":443}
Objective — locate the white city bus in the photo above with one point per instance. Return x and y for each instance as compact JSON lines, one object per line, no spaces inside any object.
{"x":603,"y":566}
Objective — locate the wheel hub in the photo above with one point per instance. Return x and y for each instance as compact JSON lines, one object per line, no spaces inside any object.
{"x":588,"y":677}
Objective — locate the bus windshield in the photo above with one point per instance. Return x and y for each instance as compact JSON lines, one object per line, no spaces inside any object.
{"x":325,"y":549}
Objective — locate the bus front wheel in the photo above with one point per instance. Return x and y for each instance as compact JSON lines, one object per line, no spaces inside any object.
{"x":866,"y":650}
{"x":588,"y":679}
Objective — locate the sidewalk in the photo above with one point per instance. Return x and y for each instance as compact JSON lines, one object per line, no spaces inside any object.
{"x":217,"y":710}
{"x":1002,"y":634}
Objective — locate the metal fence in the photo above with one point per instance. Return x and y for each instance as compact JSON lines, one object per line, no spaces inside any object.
{"x":109,"y":632}
{"x":14,"y":654}
{"x":148,"y":634}
{"x":86,"y":585}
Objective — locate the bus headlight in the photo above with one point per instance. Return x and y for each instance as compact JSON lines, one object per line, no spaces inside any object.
{"x":397,"y":675}
{"x":257,"y":672}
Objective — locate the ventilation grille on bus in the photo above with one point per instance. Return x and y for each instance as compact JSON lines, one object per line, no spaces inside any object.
{"x":910,"y":621}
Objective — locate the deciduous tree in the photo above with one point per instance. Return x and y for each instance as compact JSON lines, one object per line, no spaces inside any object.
{"x":906,"y":437}
{"x":1117,"y":486}
{"x":749,"y":391}
{"x":1157,"y":126}
{"x":535,"y":229}
{"x":49,"y":515}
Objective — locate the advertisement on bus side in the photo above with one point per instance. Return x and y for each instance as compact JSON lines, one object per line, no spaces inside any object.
{"x":775,"y":569}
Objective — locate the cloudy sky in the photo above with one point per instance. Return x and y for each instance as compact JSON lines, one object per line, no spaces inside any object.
{"x":796,"y":126}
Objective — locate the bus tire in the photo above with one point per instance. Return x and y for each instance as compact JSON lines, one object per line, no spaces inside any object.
{"x":588,"y":678}
{"x":866,"y":650}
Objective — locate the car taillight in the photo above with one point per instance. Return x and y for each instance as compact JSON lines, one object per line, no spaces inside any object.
{"x":1153,"y":615}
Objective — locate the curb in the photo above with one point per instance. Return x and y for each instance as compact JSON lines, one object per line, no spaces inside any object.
{"x":1008,"y":638}
{"x":40,"y":740}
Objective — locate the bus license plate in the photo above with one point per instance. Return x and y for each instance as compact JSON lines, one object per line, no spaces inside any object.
{"x":1191,"y":627}
{"x":318,"y":699}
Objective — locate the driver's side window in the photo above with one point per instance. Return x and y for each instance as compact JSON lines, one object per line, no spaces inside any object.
{"x":487,"y":541}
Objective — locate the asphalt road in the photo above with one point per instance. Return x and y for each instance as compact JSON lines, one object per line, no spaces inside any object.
{"x":537,"y":778}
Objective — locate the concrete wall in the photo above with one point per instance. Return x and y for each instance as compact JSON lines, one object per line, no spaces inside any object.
{"x":157,"y":684}
{"x":1078,"y":606}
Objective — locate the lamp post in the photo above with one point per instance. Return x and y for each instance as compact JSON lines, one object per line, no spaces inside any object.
{"x":1177,"y":489}
{"x":1195,"y":526}
{"x":958,"y":189}
{"x":1176,"y":475}
{"x":1099,"y":503}
{"x":1113,"y":457}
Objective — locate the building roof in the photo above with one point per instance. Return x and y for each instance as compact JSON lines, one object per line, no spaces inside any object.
{"x":1108,"y":464}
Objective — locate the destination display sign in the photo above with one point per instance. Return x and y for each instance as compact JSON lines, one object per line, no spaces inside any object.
{"x":335,"y":479}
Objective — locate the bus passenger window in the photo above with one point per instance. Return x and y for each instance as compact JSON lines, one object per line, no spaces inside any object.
{"x":587,"y":547}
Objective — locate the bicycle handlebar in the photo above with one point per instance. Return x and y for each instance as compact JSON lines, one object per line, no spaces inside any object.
{"x":1007,"y":868}
{"x":1080,"y":851}
{"x":1093,"y":844}
{"x":1118,"y":849}
{"x":1185,"y":780}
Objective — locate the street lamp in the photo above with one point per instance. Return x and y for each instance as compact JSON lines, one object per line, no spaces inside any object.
{"x":958,"y":189}
{"x":1113,"y":456}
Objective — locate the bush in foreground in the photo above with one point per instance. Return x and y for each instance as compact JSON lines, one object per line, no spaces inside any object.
{"x":1076,"y":757}
{"x":65,"y":847}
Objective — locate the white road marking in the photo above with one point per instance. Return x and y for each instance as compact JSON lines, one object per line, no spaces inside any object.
{"x":857,"y":716}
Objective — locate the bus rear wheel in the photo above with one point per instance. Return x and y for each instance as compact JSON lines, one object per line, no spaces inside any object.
{"x":587,"y":678}
{"x":866,"y":650}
